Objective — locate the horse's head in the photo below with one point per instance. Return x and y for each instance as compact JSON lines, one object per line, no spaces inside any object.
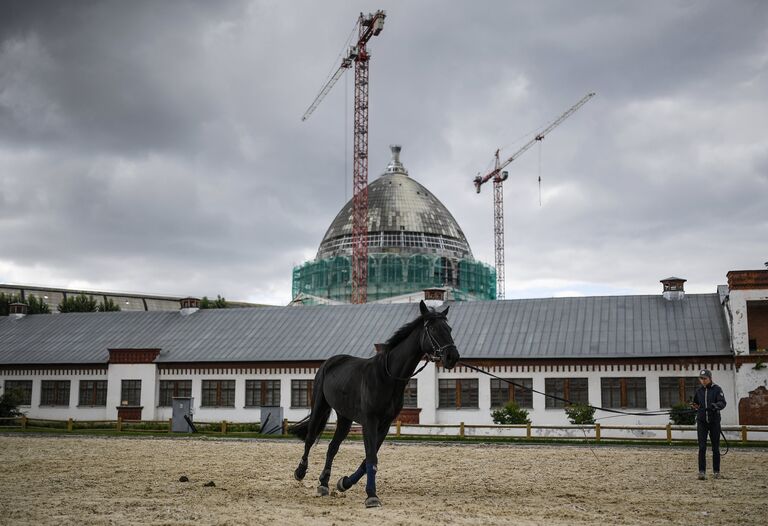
{"x":437,"y":342}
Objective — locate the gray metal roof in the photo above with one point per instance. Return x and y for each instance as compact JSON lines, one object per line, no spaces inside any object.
{"x":594,"y":327}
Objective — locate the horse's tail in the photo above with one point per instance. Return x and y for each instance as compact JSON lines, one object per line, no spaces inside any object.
{"x":300,"y":428}
{"x":314,"y":423}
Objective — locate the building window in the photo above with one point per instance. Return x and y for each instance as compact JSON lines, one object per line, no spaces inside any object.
{"x":171,"y":388}
{"x":623,"y":392}
{"x":218,"y":393}
{"x":458,"y":394}
{"x":503,"y":393}
{"x":262,"y":393}
{"x":676,"y":390}
{"x":301,"y":393}
{"x":575,"y":390}
{"x":410,"y":398}
{"x":21,"y":390}
{"x":93,"y":392}
{"x":54,"y":392}
{"x":130,"y":392}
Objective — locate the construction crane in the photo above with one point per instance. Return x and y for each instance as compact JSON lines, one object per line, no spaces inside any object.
{"x":499,"y":177}
{"x":367,"y":26}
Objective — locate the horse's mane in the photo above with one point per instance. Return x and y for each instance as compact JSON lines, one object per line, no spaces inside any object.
{"x":402,"y":333}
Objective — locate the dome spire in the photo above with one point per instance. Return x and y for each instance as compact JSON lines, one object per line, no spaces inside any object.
{"x":395,"y":166}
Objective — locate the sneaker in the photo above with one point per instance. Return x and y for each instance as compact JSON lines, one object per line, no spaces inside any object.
{"x":717,"y":475}
{"x":702,"y":475}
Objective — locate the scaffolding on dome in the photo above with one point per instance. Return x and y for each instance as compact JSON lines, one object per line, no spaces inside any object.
{"x":392,"y":275}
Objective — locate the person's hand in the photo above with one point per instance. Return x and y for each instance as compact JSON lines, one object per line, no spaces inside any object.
{"x":695,"y":405}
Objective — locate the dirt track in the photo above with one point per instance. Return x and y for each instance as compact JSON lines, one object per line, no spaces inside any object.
{"x":120,"y":481}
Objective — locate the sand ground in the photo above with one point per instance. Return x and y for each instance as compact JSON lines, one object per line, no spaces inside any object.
{"x":71,"y":480}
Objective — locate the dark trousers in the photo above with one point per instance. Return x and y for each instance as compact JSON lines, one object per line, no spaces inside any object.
{"x":713,"y":430}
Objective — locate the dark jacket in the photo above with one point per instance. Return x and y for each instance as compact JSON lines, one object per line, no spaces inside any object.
{"x":711,"y":401}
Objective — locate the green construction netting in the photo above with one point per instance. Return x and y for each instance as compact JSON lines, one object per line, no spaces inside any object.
{"x":393,"y":275}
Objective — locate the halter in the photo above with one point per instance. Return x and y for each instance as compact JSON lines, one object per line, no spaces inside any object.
{"x":435,"y":355}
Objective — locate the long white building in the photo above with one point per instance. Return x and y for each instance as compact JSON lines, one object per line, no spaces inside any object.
{"x":631,"y":352}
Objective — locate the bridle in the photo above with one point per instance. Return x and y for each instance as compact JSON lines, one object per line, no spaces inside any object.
{"x":437,"y":350}
{"x":435,"y":354}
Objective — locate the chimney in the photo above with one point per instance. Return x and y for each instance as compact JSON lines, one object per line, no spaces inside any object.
{"x":673,"y":289}
{"x":189,"y":306}
{"x":17,"y":310}
{"x":434,"y":297}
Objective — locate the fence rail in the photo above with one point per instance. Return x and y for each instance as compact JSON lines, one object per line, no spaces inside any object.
{"x":596,"y":433}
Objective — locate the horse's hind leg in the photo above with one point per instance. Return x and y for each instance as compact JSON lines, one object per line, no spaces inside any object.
{"x":342,"y":430}
{"x":318,"y":418}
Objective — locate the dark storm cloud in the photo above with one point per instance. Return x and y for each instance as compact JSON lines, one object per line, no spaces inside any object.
{"x":157,"y":146}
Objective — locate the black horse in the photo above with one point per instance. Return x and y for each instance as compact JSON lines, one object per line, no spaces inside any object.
{"x":370,"y":392}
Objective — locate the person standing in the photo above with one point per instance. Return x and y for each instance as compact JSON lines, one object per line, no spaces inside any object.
{"x":708,"y":401}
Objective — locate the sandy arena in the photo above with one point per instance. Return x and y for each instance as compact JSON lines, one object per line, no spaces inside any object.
{"x":69,"y":480}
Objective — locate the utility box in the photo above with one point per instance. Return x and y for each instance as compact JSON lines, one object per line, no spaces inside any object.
{"x":271,"y":420}
{"x":182,"y":414}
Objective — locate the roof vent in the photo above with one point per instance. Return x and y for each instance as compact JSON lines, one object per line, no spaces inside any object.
{"x":17,"y":310}
{"x":189,"y":306}
{"x":673,"y":289}
{"x":395,"y":166}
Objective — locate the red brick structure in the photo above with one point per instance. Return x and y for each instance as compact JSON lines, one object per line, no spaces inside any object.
{"x":753,"y":410}
{"x":747,"y":279}
{"x":133,"y":355}
{"x":126,"y":412}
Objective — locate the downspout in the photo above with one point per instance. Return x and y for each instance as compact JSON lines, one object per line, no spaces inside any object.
{"x":727,"y":304}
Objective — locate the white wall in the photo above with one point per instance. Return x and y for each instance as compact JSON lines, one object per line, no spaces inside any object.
{"x":427,"y":395}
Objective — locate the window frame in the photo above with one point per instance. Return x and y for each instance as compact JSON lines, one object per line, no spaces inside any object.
{"x":26,"y":390}
{"x":411,"y":394}
{"x":221,"y":388}
{"x":265,"y":387}
{"x":622,"y":383}
{"x":567,"y":391}
{"x":175,"y":391}
{"x":299,"y":386}
{"x":56,"y":387}
{"x":512,"y":392}
{"x":461,"y":393}
{"x":666,"y":393}
{"x":129,"y":387}
{"x":96,"y":393}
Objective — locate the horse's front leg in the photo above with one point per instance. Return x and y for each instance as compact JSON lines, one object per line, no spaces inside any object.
{"x":371,"y":441}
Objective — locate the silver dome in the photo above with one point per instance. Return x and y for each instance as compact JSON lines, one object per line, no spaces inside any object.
{"x":403,"y":216}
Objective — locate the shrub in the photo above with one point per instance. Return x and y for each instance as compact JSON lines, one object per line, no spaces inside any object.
{"x":9,"y":405}
{"x":108,"y":306}
{"x":580,"y":414}
{"x":510,"y":414}
{"x":682,"y":415}
{"x":36,"y":305}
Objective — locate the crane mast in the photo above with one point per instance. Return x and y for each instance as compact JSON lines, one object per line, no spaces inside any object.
{"x":368,"y":26}
{"x":499,"y":177}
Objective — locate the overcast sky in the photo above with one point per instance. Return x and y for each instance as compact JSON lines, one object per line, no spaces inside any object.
{"x":158,"y":146}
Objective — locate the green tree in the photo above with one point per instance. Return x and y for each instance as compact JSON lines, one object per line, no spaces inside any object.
{"x":36,"y":305}
{"x":682,"y":415}
{"x":79,"y":303}
{"x":510,"y":414}
{"x":9,"y":405}
{"x":580,"y":414}
{"x":5,"y":302}
{"x":218,"y":303}
{"x":108,"y":306}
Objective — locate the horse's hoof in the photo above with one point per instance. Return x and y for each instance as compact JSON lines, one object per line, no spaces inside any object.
{"x":372,"y":502}
{"x":300,"y":473}
{"x":323,"y":491}
{"x":340,"y":484}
